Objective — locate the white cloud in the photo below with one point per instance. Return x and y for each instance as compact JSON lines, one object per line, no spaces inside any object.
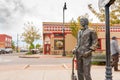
{"x":14,"y":13}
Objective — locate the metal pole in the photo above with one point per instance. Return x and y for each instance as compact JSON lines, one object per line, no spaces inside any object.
{"x":63,"y":33}
{"x":17,"y":42}
{"x":108,"y":66}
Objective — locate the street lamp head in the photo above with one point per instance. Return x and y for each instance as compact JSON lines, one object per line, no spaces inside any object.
{"x":64,"y":6}
{"x":103,"y":3}
{"x":111,"y":2}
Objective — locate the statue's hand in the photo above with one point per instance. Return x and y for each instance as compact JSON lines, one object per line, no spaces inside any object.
{"x":86,"y":54}
{"x":74,"y":51}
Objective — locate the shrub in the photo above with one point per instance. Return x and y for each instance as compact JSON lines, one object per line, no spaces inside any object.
{"x":31,"y":46}
{"x":99,"y":59}
{"x":29,"y":53}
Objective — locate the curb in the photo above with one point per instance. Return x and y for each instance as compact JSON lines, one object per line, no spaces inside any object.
{"x":42,"y":56}
{"x":29,"y":56}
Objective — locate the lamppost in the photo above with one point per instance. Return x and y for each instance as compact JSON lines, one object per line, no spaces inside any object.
{"x":64,"y":8}
{"x":106,"y":4}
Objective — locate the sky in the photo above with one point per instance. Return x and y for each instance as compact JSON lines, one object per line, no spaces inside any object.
{"x":15,"y":13}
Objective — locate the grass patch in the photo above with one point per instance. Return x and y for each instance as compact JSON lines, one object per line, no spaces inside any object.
{"x":69,"y":55}
{"x":28,"y":53}
{"x":98,"y":63}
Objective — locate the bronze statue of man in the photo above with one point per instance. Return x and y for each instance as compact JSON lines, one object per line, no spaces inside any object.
{"x":86,"y":43}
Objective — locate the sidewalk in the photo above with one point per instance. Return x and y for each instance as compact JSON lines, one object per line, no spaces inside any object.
{"x":49,"y":72}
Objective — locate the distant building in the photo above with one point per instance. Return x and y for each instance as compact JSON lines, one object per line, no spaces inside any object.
{"x":5,"y":41}
{"x":114,"y":31}
{"x":53,"y":37}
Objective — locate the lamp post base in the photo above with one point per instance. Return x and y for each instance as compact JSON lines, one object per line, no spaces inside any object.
{"x":108,"y":73}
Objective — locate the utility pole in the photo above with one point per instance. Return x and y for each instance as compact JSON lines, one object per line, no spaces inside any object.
{"x":17,"y":43}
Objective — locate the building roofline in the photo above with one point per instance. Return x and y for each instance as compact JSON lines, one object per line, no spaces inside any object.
{"x":92,"y":24}
{"x":6,"y":35}
{"x":103,"y":24}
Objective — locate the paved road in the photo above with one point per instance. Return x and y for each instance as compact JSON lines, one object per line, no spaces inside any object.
{"x":14,"y":59}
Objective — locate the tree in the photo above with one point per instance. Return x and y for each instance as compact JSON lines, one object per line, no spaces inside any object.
{"x":38,"y":46}
{"x":30,"y":34}
{"x":31,"y":46}
{"x":74,"y":26}
{"x":114,"y":14}
{"x":13,"y":45}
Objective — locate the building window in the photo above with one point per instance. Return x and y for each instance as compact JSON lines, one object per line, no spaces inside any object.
{"x":58,"y":44}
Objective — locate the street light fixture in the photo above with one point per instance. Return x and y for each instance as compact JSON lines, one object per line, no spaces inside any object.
{"x":64,"y":8}
{"x":103,"y":3}
{"x":106,"y":4}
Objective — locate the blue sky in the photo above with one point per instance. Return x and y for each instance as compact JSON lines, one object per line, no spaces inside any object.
{"x":15,"y":13}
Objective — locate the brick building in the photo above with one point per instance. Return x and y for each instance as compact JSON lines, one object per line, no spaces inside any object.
{"x":5,"y":41}
{"x":53,"y":37}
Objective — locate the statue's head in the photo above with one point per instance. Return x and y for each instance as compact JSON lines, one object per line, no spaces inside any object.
{"x":84,"y":22}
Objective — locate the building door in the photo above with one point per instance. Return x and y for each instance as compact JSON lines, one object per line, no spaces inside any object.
{"x":47,"y":49}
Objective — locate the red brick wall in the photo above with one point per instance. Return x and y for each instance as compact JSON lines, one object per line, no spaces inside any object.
{"x":5,"y":41}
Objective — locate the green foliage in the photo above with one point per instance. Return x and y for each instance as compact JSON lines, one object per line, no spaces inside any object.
{"x":74,"y":26}
{"x":98,"y":59}
{"x":28,"y":53}
{"x":114,"y":13}
{"x":70,"y":55}
{"x":31,"y":46}
{"x":38,"y":46}
{"x":98,"y":63}
{"x":99,"y":56}
{"x":13,"y":45}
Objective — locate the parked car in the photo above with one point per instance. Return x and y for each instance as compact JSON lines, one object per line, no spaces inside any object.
{"x":35,"y":51}
{"x":9,"y":50}
{"x":23,"y":50}
{"x":2,"y":51}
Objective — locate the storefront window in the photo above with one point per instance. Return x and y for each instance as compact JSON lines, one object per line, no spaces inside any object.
{"x":58,"y":44}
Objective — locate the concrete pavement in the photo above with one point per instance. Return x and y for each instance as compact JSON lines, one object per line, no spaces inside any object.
{"x":48,"y":72}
